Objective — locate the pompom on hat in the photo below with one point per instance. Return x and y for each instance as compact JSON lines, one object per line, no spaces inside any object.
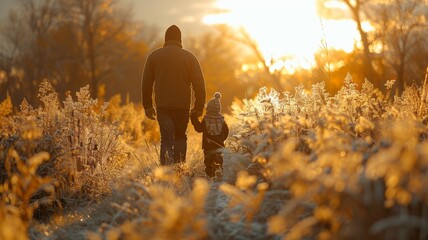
{"x":214,"y":105}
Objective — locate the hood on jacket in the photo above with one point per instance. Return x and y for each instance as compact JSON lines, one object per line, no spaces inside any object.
{"x":173,"y":33}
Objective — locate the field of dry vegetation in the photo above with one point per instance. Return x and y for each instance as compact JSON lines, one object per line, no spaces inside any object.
{"x":302,"y":165}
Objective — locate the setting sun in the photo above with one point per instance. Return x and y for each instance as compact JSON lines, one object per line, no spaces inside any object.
{"x":286,"y":28}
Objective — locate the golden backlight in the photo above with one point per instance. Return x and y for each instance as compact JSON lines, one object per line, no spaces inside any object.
{"x":290,"y":28}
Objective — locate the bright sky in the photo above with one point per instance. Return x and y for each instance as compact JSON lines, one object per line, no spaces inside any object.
{"x":280,"y":27}
{"x":286,"y":27}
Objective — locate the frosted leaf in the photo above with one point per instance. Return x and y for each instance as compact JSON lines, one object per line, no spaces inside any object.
{"x":389,"y":84}
{"x":367,"y":87}
{"x":245,"y":181}
{"x":25,"y":107}
{"x":6,"y":107}
{"x":83,"y":94}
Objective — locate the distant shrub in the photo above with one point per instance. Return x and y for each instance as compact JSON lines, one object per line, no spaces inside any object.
{"x":87,"y":150}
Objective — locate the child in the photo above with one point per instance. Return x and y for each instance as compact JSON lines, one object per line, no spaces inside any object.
{"x":214,"y":132}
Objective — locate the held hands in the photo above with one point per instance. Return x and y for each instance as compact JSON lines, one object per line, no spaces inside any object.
{"x":150,"y":113}
{"x":196,"y":112}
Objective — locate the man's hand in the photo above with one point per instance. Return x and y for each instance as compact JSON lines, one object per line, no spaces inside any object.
{"x":150,"y":113}
{"x":196,"y":112}
{"x":193,"y":115}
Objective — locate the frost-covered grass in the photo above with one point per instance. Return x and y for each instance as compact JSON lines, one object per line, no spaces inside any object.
{"x":302,"y":165}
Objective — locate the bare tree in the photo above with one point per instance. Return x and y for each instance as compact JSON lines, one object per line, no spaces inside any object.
{"x":356,"y":8}
{"x":10,"y":44}
{"x":402,"y":33}
{"x":72,"y":43}
{"x":397,"y":47}
{"x":98,"y":22}
{"x":242,"y":37}
{"x":218,"y":57}
{"x":26,"y":37}
{"x":357,"y":13}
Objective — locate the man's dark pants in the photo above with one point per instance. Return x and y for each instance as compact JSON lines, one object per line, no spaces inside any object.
{"x":173,"y":125}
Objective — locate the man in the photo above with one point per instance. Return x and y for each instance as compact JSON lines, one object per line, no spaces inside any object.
{"x":173,"y":71}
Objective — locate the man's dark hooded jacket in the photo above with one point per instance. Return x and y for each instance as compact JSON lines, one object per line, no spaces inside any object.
{"x":173,"y":71}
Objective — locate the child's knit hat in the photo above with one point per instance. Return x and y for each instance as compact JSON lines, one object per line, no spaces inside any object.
{"x":214,"y":105}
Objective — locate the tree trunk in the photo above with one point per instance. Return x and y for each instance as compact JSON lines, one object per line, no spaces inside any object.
{"x":368,"y":69}
{"x":424,"y":94}
{"x":92,"y":68}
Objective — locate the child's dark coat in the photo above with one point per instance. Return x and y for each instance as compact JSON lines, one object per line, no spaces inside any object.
{"x":211,"y":144}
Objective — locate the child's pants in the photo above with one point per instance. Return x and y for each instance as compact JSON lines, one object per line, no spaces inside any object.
{"x":213,"y":161}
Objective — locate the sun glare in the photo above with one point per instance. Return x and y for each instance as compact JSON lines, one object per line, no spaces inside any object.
{"x":286,"y":28}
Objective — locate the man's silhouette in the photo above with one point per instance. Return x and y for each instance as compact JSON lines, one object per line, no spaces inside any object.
{"x":170,"y":72}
